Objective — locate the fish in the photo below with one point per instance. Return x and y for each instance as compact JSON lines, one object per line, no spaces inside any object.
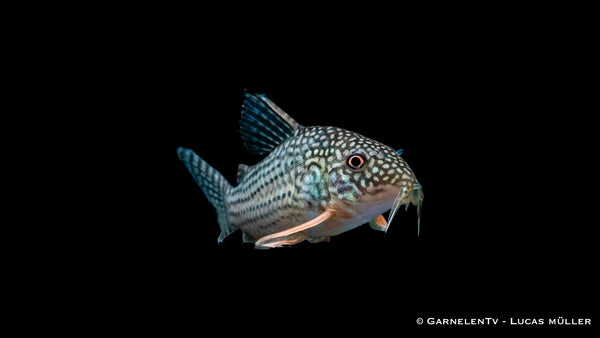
{"x":314,"y":182}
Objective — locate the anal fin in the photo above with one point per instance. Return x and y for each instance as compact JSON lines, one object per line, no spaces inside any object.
{"x":247,"y":238}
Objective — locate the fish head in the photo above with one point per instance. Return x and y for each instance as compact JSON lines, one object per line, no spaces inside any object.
{"x":368,"y":178}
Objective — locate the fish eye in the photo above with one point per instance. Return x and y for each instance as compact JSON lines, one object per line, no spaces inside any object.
{"x":356,"y":161}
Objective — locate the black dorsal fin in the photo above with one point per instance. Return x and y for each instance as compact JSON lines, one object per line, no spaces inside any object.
{"x":263,"y":125}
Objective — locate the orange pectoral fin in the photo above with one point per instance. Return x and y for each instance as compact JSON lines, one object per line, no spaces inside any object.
{"x":378,"y":223}
{"x":278,"y":239}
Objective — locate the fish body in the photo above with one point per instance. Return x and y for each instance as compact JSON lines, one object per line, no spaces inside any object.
{"x":315,"y":182}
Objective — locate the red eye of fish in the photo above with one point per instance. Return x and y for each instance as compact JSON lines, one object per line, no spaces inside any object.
{"x":356,"y":161}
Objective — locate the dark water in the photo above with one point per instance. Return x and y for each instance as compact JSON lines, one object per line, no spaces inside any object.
{"x":501,"y":155}
{"x":499,"y":223}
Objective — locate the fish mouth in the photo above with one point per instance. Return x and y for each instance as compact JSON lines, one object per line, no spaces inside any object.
{"x":408,"y":194}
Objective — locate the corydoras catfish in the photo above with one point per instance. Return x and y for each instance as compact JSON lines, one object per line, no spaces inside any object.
{"x":314,"y":183}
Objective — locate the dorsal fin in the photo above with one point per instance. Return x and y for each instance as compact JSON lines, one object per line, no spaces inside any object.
{"x":242,"y":168}
{"x":263,"y":125}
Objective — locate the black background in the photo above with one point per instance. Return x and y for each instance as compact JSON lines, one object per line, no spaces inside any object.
{"x":491,"y":125}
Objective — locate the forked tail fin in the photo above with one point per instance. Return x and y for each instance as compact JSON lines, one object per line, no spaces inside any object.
{"x":214,"y":186}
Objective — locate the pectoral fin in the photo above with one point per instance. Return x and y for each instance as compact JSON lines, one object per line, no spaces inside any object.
{"x":378,"y":223}
{"x":285,"y":237}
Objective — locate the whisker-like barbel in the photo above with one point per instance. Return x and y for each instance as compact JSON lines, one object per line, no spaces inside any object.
{"x":404,"y":198}
{"x":419,"y":217}
{"x":397,"y":203}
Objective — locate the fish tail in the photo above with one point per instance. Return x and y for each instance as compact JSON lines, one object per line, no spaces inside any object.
{"x":214,"y":186}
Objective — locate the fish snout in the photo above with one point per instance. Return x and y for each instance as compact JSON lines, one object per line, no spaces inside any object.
{"x":417,"y":194}
{"x":410,"y":192}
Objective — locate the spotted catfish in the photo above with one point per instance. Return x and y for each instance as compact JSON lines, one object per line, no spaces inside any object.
{"x":314,"y":183}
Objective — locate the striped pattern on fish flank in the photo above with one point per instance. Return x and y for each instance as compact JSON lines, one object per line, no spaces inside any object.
{"x":264,"y":200}
{"x":314,"y":183}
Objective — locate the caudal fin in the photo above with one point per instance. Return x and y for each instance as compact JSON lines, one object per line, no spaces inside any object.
{"x":213,"y":185}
